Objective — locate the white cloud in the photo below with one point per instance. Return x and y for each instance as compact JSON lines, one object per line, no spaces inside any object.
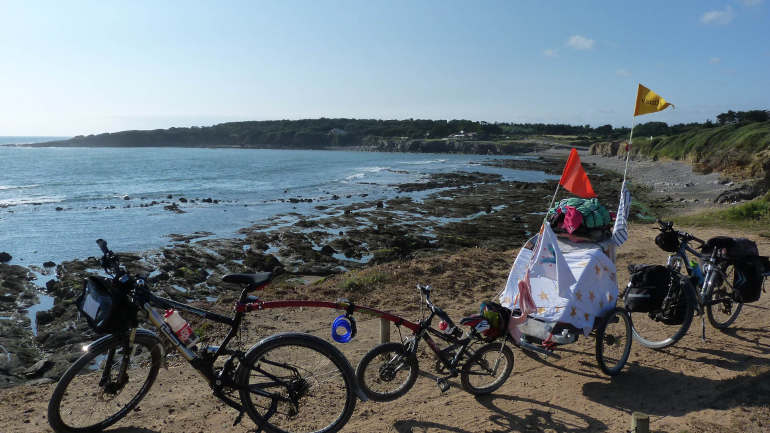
{"x":623,"y":73}
{"x":715,"y":60}
{"x":550,"y":52}
{"x":718,"y":17}
{"x":580,"y":42}
{"x":750,"y":3}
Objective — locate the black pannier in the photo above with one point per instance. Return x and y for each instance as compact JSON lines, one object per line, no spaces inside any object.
{"x":734,"y":248}
{"x":106,"y":309}
{"x":647,"y":288}
{"x":748,"y":279}
{"x":674,"y":308}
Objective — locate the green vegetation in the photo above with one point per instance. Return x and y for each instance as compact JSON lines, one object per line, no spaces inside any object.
{"x":752,"y":216}
{"x":363,"y":280}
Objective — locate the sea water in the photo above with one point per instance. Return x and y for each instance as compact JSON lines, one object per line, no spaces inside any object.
{"x":55,"y":202}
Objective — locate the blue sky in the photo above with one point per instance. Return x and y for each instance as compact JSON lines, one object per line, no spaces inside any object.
{"x":87,"y":67}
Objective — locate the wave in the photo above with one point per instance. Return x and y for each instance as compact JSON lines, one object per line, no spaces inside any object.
{"x":30,"y":200}
{"x":10,"y":187}
{"x":424,"y":162}
{"x":355,"y":176}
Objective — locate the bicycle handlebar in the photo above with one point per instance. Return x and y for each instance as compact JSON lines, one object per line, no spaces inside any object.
{"x":668,"y":226}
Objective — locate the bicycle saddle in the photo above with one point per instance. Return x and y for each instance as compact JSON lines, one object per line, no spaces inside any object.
{"x":252,"y":281}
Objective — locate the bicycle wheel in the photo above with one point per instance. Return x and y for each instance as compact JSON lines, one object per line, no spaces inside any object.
{"x":90,"y":397}
{"x":723,"y":314}
{"x":387,"y":372}
{"x":613,"y":341}
{"x":650,"y":331}
{"x":487,"y":369}
{"x":313,"y":382}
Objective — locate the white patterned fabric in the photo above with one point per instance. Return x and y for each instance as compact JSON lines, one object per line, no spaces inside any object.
{"x":620,"y":231}
{"x":593,"y":294}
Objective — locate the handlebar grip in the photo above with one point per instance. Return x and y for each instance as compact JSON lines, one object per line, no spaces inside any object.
{"x":103,"y":245}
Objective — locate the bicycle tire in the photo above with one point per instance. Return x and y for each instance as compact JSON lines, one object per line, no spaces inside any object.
{"x":615,"y":322}
{"x":389,"y":360}
{"x":657,"y":335}
{"x":722,"y":315}
{"x":313,"y":373}
{"x":81,"y":403}
{"x":479,"y":361}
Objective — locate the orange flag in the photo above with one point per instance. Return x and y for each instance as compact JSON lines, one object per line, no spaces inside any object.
{"x":575,"y":179}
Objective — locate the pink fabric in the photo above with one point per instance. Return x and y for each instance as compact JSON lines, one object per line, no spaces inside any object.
{"x":526,"y":305}
{"x":572,"y":219}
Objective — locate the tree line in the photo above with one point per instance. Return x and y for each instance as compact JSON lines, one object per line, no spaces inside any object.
{"x":324,"y":132}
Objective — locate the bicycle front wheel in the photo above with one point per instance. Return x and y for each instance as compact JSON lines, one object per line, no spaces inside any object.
{"x":487,"y":369}
{"x":613,"y":341}
{"x":387,"y":372}
{"x":307,"y":382}
{"x":91,"y":396}
{"x":652,"y":332}
{"x":724,"y":313}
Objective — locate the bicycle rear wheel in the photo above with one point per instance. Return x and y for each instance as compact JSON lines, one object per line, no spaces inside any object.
{"x":313,"y":379}
{"x":487,"y":369}
{"x":387,"y":372}
{"x":723,"y":314}
{"x":613,"y":341}
{"x":91,"y":397}
{"x":650,"y":331}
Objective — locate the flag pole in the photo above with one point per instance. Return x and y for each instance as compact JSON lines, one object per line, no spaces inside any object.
{"x":628,"y":150}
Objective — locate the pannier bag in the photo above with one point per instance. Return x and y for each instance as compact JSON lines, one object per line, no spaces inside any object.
{"x":647,"y":288}
{"x":734,"y":248}
{"x":106,"y":309}
{"x":674,"y":308}
{"x":748,"y":279}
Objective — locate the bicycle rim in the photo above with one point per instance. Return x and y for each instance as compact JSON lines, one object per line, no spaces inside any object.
{"x":488,"y":369}
{"x":307,"y":371}
{"x":387,"y":372}
{"x":89,"y":397}
{"x":724,"y":314}
{"x":613,"y":341}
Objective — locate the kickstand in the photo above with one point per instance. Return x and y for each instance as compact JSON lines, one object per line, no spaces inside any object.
{"x":703,"y":328}
{"x":270,"y":412}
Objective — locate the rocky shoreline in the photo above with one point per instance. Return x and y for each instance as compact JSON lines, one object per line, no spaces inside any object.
{"x":458,"y":211}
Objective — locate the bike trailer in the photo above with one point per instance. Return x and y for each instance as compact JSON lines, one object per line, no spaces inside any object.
{"x":106,"y":309}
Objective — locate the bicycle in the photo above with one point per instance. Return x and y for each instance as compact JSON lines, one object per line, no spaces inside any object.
{"x":286,"y":382}
{"x":712,"y":289}
{"x":389,"y":371}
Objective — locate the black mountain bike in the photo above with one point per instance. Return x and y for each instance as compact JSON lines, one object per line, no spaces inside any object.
{"x":389,"y":371}
{"x":291,"y":382}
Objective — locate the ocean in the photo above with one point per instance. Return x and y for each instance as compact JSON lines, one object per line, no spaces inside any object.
{"x":55,"y":202}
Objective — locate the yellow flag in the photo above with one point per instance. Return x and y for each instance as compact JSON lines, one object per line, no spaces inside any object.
{"x":648,"y":102}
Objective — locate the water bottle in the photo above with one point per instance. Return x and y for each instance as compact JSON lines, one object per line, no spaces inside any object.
{"x":181,"y":328}
{"x":696,"y":271}
{"x":454,"y":331}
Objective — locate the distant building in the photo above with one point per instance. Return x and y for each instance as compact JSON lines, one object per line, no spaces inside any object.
{"x":337,"y":131}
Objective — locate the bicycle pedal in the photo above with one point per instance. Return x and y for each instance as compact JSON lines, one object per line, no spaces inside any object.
{"x":442,"y":383}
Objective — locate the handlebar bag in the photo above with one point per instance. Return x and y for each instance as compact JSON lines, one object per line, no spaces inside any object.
{"x":106,"y":309}
{"x":647,"y":288}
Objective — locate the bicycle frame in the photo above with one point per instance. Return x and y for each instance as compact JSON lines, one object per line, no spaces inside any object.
{"x":709,"y":271}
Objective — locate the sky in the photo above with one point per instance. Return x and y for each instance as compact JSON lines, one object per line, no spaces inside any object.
{"x":88,"y":67}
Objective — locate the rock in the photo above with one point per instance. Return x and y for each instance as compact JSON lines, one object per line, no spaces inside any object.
{"x":328,"y":250}
{"x":5,"y":257}
{"x":38,"y":369}
{"x":49,"y":264}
